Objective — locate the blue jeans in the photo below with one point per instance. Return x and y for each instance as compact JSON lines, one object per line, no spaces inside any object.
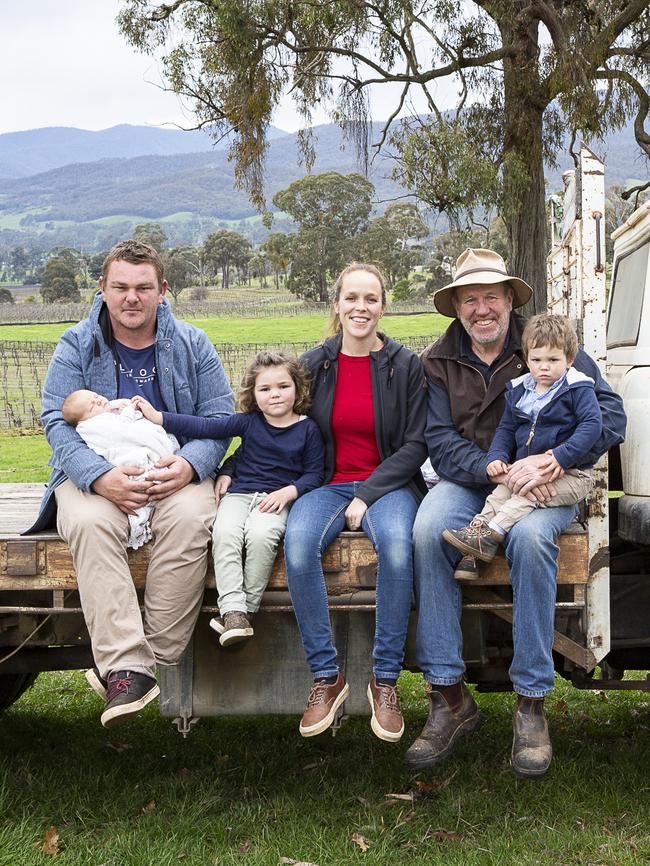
{"x":314,"y":522}
{"x":531,"y":551}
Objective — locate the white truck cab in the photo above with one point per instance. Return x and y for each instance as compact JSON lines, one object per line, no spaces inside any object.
{"x":628,"y":354}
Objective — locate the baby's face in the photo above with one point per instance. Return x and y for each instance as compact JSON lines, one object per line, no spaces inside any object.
{"x":89,"y":404}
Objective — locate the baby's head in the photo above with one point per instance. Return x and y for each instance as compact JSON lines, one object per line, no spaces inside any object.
{"x":550,"y":345}
{"x":287,"y":367}
{"x":81,"y":405}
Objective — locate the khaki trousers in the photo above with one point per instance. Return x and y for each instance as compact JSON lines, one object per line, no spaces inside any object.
{"x":97,"y":533}
{"x":505,"y":509}
{"x":244,"y":544}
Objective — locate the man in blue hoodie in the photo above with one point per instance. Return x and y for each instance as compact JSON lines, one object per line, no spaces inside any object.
{"x":132,"y":344}
{"x":467,"y":371}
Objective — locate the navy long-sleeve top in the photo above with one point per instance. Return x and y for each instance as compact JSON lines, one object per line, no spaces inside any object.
{"x":269,"y":458}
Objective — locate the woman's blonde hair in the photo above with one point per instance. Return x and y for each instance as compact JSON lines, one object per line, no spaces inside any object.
{"x":334,"y":323}
{"x":262,"y":361}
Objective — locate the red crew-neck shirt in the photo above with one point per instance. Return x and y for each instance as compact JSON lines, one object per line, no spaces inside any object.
{"x":353,"y":421}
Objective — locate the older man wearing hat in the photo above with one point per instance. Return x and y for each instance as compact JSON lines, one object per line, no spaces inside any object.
{"x":467,"y":369}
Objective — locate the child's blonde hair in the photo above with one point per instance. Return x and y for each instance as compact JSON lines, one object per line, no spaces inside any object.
{"x":70,"y":409}
{"x":557,"y":332}
{"x":334,"y":323}
{"x":262,"y":361}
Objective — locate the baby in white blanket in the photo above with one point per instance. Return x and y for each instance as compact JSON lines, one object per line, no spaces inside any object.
{"x":119,"y":432}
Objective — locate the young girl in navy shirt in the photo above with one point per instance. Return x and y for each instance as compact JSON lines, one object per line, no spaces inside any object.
{"x":280,"y":458}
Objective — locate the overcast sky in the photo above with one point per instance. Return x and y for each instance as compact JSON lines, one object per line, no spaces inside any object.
{"x":63,"y":63}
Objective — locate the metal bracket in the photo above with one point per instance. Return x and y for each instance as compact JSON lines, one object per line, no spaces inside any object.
{"x":186,"y":719}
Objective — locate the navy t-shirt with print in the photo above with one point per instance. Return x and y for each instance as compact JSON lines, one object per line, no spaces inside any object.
{"x":137,"y":374}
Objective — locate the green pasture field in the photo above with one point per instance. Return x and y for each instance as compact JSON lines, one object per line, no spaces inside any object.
{"x":23,"y":458}
{"x":229,"y":329}
{"x":249,"y":791}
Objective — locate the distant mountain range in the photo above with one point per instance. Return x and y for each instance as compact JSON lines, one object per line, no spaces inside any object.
{"x":81,"y":188}
{"x":23,"y":154}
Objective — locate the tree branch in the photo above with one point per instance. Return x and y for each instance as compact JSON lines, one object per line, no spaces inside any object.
{"x":642,"y":137}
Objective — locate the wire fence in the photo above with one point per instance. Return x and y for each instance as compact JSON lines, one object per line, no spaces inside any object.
{"x":23,"y":366}
{"x":237,"y":306}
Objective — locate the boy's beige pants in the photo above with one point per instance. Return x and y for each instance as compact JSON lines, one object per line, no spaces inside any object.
{"x":505,"y":509}
{"x":97,"y":533}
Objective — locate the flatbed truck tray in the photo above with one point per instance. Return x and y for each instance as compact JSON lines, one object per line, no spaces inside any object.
{"x":267,"y":674}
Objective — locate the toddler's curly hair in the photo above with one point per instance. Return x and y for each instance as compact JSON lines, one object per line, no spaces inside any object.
{"x":262,"y":361}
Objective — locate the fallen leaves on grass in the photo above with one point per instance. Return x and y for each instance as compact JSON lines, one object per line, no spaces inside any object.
{"x":361,"y":841}
{"x":50,"y":844}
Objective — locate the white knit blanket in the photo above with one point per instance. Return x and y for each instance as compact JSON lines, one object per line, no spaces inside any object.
{"x":125,"y":437}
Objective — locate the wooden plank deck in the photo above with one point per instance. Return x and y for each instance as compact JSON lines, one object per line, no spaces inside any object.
{"x":43,"y":561}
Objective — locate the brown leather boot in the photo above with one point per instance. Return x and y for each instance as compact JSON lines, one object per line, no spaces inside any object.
{"x":531,"y":744}
{"x":452,"y":714}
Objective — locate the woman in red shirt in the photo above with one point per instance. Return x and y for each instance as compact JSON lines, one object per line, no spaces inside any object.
{"x":368,"y":398}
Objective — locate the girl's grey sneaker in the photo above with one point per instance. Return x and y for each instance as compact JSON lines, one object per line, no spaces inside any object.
{"x":236,"y":627}
{"x":128,"y":693}
{"x":217,"y":624}
{"x":96,"y":682}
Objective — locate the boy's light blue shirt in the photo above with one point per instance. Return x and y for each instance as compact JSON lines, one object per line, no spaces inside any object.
{"x":531,"y":403}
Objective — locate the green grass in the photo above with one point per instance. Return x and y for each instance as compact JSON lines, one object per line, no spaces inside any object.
{"x":304,"y":328}
{"x":23,"y":458}
{"x":250,"y":791}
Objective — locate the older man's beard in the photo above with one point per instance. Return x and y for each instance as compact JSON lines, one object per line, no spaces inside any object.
{"x":502,"y":324}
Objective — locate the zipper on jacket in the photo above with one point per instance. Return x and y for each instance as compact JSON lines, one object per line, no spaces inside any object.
{"x":531,"y":434}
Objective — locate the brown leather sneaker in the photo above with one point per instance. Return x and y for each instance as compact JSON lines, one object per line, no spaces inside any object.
{"x":323,"y":702}
{"x":386,"y":722}
{"x":531,"y":745}
{"x":444,"y":726}
{"x":476,"y":538}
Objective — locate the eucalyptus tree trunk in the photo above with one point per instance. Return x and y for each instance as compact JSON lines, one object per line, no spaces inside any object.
{"x":525,"y":211}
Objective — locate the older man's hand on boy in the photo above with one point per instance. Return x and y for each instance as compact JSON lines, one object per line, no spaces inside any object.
{"x":532,"y":477}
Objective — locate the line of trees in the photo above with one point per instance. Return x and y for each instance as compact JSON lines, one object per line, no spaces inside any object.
{"x":332,"y":216}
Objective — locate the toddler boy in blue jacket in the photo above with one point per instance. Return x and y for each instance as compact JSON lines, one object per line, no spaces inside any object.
{"x":551,"y":410}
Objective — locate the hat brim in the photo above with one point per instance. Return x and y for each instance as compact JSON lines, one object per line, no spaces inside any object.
{"x":442,"y":298}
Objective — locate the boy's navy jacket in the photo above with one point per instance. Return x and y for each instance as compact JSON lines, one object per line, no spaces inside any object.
{"x":570,"y":424}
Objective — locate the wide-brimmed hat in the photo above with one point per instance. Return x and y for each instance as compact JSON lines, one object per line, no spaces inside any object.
{"x":476,"y":267}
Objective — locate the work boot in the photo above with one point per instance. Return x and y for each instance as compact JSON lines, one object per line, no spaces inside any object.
{"x":531,"y":744}
{"x":323,"y":702}
{"x":477,"y":539}
{"x":452,"y":714}
{"x":467,"y":569}
{"x":387,"y":722}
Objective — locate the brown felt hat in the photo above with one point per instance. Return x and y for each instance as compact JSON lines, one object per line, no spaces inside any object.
{"x":476,"y":267}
